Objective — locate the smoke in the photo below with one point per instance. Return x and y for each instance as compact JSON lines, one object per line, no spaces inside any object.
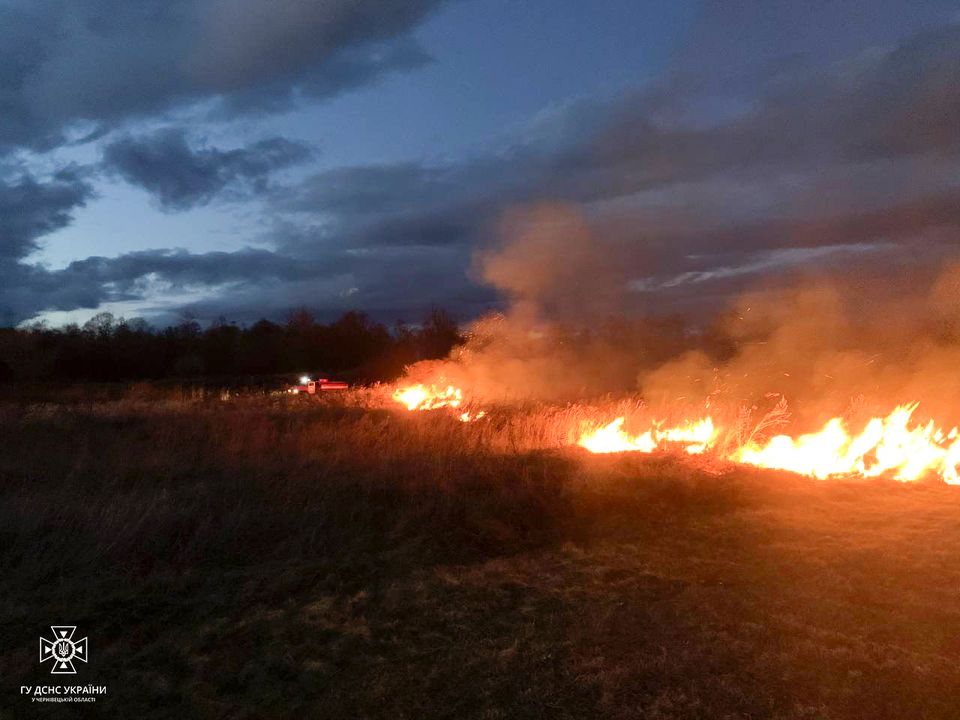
{"x":855,"y":342}
{"x":796,"y":209}
{"x":550,"y":266}
{"x":832,"y":345}
{"x":565,"y":333}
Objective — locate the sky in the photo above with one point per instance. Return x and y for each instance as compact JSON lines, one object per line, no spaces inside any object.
{"x":241,"y":158}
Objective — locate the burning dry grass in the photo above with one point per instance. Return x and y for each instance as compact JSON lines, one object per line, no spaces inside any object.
{"x":337,"y":558}
{"x":895,"y":445}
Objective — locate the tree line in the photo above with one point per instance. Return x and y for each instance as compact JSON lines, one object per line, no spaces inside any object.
{"x":106,"y":348}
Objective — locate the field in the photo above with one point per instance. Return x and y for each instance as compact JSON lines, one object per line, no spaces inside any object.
{"x":288,"y":557}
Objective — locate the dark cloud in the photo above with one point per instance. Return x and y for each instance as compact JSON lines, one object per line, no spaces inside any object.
{"x":892,"y":106}
{"x":400,"y":284}
{"x":26,"y":290}
{"x":899,"y":223}
{"x":249,"y":283}
{"x":252,"y":42}
{"x":405,"y":204}
{"x":180,"y":176}
{"x":351,"y":68}
{"x":883,"y":104}
{"x":735,"y":36}
{"x":386,"y":189}
{"x":96,"y":280}
{"x":845,"y":163}
{"x":70,"y":71}
{"x":183,"y":268}
{"x":63,"y":63}
{"x":31,"y":208}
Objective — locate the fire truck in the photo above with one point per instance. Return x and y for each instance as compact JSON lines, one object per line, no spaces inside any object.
{"x":306,"y":385}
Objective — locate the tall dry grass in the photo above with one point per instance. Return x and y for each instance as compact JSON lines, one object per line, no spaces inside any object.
{"x":278,"y":556}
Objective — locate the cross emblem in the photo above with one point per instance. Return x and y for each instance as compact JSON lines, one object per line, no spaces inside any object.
{"x":63,"y":650}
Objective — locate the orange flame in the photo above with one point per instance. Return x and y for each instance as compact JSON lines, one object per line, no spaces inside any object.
{"x":695,"y":437}
{"x":428,"y":397}
{"x":470,"y":417}
{"x":886,"y":446}
{"x":433,"y":397}
{"x":891,"y":446}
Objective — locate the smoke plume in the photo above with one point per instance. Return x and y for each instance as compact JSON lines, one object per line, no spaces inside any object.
{"x":854,"y":342}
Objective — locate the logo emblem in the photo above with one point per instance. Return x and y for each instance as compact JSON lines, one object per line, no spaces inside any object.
{"x":63,"y":650}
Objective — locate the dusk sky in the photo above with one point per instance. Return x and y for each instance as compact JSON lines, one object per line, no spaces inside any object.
{"x":240,"y":158}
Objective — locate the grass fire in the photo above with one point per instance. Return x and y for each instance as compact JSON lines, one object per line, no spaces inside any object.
{"x":894,"y":446}
{"x":436,"y":360}
{"x":363,"y":556}
{"x":614,"y":519}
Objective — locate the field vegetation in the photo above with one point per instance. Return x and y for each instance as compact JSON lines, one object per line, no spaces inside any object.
{"x":278,"y":556}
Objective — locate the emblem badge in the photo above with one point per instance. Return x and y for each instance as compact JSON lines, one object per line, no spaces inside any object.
{"x":63,"y":650}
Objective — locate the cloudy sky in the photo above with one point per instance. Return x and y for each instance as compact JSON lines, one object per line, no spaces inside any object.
{"x":239,"y":158}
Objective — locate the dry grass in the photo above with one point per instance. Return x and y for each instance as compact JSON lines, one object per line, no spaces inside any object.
{"x":283,"y":557}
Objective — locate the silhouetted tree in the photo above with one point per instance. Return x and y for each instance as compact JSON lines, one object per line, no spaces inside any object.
{"x":439,"y":334}
{"x":110,"y":348}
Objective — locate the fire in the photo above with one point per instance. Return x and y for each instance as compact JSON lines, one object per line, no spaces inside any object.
{"x":888,"y":446}
{"x":892,"y":446}
{"x":434,"y":397}
{"x":695,"y":437}
{"x":428,"y":397}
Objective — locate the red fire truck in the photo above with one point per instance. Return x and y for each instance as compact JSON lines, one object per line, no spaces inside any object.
{"x":312,"y":387}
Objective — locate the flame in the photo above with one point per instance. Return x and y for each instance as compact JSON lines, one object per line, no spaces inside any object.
{"x":695,"y":437}
{"x":888,"y":446}
{"x":433,"y":397}
{"x":428,"y":397}
{"x":891,"y":446}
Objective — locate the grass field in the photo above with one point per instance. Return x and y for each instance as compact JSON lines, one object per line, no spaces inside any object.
{"x":284,"y":557}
